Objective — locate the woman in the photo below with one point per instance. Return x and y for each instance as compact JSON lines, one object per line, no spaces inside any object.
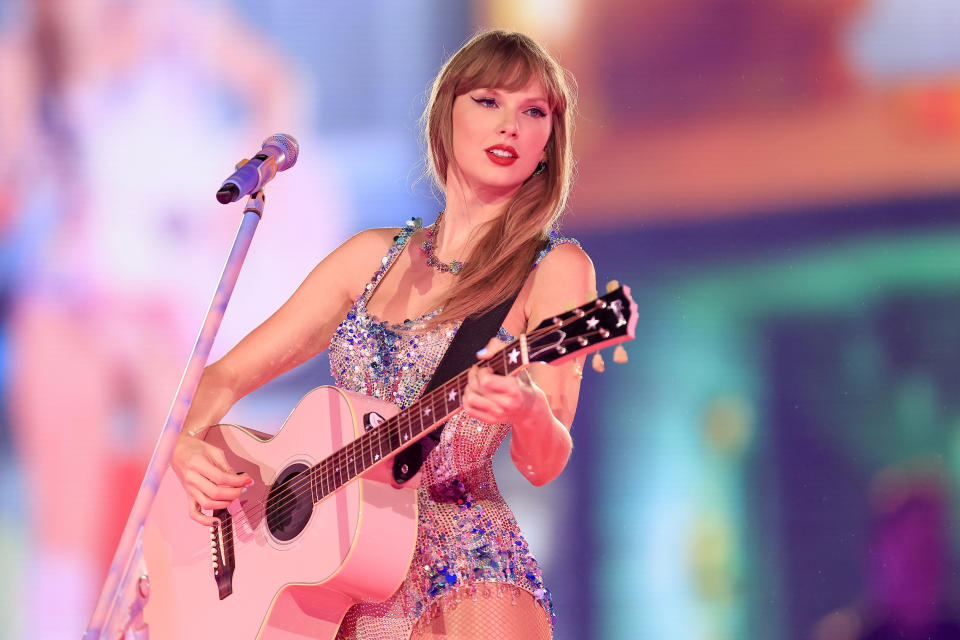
{"x":498,"y":129}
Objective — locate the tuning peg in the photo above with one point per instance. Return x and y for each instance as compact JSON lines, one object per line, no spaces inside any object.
{"x":612,"y":286}
{"x":597,"y":362}
{"x":620,"y":354}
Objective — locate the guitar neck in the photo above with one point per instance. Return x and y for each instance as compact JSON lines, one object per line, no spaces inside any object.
{"x":603,"y":322}
{"x":400,"y":431}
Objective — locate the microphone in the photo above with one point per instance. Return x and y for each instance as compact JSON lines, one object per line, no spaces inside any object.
{"x":279,"y":153}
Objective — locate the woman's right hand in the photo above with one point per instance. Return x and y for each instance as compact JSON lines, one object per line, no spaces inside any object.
{"x":206,"y":477}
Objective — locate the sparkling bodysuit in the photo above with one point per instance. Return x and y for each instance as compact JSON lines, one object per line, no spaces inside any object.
{"x":469,"y":545}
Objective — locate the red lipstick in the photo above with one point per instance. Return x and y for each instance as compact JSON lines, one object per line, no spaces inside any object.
{"x":502,"y":154}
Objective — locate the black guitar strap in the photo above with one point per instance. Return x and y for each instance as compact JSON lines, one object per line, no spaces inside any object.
{"x":474,"y":333}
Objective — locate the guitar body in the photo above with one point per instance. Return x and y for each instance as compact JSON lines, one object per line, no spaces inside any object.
{"x":323,"y":526}
{"x":295,"y":579}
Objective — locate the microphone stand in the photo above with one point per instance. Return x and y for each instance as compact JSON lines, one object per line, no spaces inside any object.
{"x":125,"y":591}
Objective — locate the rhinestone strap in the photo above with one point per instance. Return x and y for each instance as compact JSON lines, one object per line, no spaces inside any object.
{"x":412,"y":226}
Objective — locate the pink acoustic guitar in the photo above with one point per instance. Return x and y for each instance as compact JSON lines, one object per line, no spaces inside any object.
{"x":324,"y":525}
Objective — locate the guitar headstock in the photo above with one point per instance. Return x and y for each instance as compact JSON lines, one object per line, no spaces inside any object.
{"x":604,"y":322}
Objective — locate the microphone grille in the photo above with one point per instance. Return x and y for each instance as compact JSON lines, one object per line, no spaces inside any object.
{"x":288,"y":145}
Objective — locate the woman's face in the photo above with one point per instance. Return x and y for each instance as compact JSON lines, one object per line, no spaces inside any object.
{"x":499,"y":136}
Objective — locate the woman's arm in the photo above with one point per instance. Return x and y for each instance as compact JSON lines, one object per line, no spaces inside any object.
{"x":297,"y":331}
{"x":541,"y":401}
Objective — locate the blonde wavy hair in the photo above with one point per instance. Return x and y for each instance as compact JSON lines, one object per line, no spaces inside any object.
{"x":500,"y":260}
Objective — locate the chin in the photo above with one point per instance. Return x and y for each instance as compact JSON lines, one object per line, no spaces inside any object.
{"x":501,"y":182}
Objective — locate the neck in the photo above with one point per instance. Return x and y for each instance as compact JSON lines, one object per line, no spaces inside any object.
{"x":467,"y":210}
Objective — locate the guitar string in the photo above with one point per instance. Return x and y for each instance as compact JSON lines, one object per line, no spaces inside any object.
{"x":297,"y":489}
{"x":369,"y":444}
{"x":228,"y":528}
{"x":303,"y":483}
{"x":393,"y":428}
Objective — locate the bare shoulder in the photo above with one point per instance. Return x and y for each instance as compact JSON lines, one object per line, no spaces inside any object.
{"x":566,"y":269}
{"x":564,"y":260}
{"x":370,"y":241}
{"x":564,"y":278}
{"x":348,"y":267}
{"x":364,"y":250}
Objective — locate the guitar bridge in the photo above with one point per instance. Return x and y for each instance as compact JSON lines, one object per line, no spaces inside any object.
{"x":221,"y":543}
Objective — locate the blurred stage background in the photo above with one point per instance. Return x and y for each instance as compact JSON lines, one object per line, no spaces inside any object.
{"x":778,"y":181}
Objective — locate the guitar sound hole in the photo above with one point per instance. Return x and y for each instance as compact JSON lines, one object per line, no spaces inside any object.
{"x":290,"y":503}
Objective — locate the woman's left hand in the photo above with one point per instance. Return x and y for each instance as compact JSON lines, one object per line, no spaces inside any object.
{"x":495,"y":398}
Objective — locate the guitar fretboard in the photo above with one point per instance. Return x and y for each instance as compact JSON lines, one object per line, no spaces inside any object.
{"x":586,"y":328}
{"x":398,"y":432}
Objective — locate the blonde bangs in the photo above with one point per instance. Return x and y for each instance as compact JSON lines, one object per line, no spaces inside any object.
{"x":511,"y":68}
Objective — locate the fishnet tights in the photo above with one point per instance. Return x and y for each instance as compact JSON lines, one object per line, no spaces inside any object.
{"x":502,"y":613}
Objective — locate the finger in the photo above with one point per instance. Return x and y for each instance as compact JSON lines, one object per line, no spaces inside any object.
{"x":491,"y":381}
{"x":490,"y":349}
{"x":483,"y":408}
{"x":206,"y":469}
{"x":217,"y":457}
{"x":199,"y":516}
{"x":206,"y":502}
{"x":473,"y":378}
{"x":221,"y":473}
{"x":215,"y":491}
{"x":502,"y":389}
{"x":476,"y":412}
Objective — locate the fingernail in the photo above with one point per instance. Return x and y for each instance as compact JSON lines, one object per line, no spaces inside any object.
{"x":482,"y":352}
{"x":216,"y":523}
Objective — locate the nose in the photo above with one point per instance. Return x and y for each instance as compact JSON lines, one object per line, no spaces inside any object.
{"x":509,"y":125}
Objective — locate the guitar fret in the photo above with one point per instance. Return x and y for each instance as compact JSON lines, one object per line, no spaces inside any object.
{"x":351,"y":462}
{"x":504,"y":361}
{"x":325,"y":479}
{"x":331,"y":479}
{"x":358,"y":464}
{"x":393,"y":438}
{"x":360,"y":455}
{"x":373,"y":446}
{"x":547,"y":343}
{"x":317,"y":471}
{"x":366,"y":452}
{"x":456,"y":391}
{"x":419,"y":415}
{"x":338,"y":469}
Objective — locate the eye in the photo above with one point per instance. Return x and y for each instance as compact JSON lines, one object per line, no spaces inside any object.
{"x":537,"y":112}
{"x":489,"y":103}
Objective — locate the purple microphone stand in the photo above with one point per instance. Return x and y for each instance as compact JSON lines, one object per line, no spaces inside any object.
{"x":125,"y":591}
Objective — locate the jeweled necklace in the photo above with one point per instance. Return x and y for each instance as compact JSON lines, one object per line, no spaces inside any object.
{"x":427,"y":246}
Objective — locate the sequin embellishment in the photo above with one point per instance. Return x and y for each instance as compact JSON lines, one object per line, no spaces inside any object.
{"x":468,"y":540}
